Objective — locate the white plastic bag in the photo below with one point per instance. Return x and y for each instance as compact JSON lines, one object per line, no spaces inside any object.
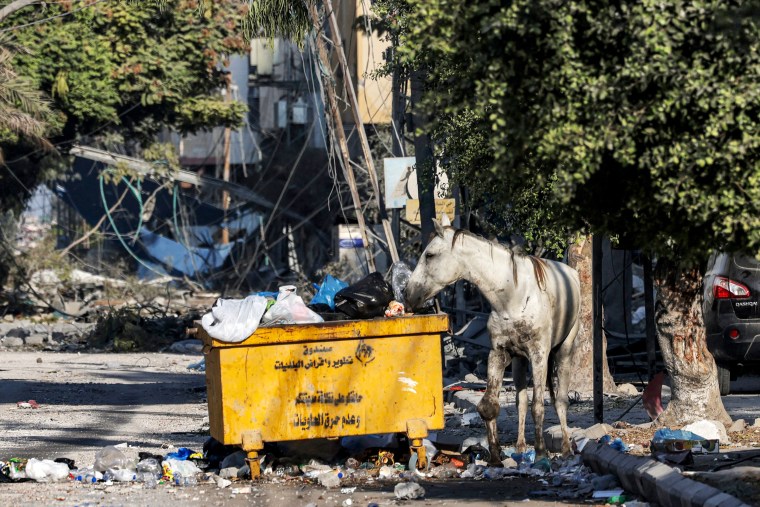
{"x":46,"y":470}
{"x":234,"y":320}
{"x":182,"y":467}
{"x":290,"y":309}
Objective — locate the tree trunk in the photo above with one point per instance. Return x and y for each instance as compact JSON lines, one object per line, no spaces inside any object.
{"x":579,"y":257}
{"x":693,"y":375}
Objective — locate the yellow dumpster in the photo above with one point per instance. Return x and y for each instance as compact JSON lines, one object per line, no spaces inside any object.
{"x":325,"y":380}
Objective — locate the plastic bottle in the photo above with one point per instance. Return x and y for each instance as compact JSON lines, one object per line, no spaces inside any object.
{"x":151,"y":466}
{"x":110,"y":457}
{"x":87,"y":475}
{"x":46,"y":470}
{"x":120,"y":475}
{"x":148,"y":479}
{"x":184,"y":481}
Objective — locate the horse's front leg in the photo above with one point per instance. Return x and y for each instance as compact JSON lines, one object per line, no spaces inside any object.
{"x":488,"y":408}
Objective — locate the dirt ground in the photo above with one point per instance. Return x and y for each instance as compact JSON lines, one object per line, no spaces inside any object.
{"x":152,"y":402}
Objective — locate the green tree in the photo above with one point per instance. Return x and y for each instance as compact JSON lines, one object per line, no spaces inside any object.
{"x":24,"y":111}
{"x":638,"y":120}
{"x":117,"y":66}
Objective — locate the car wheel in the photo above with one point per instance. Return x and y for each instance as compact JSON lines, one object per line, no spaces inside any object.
{"x":724,"y":380}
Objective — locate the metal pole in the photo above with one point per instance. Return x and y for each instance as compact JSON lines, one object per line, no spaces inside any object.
{"x":226,"y":171}
{"x":649,"y":309}
{"x":349,"y":84}
{"x":596,"y":277}
{"x":348,"y":171}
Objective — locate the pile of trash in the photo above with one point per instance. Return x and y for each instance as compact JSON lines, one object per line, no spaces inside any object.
{"x":361,"y":460}
{"x":234,"y":320}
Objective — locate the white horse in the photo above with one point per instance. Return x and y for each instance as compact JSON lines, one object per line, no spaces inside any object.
{"x":534,"y":317}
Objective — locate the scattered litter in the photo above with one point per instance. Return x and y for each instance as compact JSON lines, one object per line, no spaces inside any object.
{"x":27,"y":404}
{"x":46,"y":470}
{"x":366,"y":299}
{"x":668,"y":440}
{"x":348,"y":491}
{"x":234,"y":320}
{"x":409,"y":491}
{"x":607,"y":493}
{"x":110,"y":458}
{"x":199,"y":366}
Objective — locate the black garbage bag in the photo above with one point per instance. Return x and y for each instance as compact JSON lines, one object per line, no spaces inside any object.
{"x":365,"y":299}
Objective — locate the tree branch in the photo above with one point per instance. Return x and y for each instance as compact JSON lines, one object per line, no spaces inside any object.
{"x":13,"y":7}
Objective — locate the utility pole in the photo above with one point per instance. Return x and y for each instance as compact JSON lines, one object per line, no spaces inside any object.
{"x":349,"y":85}
{"x":424,"y":154}
{"x":226,"y":170}
{"x":397,"y":114}
{"x":348,"y":171}
{"x":598,"y":345}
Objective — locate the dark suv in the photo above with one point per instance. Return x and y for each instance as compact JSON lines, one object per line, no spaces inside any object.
{"x":732,"y":314}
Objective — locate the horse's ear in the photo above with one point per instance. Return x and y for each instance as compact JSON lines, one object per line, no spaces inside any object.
{"x":438,"y":227}
{"x":445,"y":220}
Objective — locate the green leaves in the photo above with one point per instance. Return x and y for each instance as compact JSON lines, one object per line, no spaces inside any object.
{"x":134,"y":67}
{"x":632,"y":119}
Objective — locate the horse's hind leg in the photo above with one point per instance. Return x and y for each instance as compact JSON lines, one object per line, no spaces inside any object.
{"x":539,"y":364}
{"x":563,"y":357}
{"x":488,"y":408}
{"x":520,"y":376}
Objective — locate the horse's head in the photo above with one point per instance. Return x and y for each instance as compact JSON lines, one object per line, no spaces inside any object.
{"x":437,"y":268}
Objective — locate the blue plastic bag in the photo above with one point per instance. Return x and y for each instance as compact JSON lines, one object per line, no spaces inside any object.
{"x":665,"y":434}
{"x":182,"y":454}
{"x":326,"y":293}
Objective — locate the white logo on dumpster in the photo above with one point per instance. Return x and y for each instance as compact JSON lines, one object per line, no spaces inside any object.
{"x":409,"y":384}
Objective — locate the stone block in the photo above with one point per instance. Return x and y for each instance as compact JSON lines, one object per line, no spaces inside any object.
{"x":17,"y":332}
{"x":597,"y":431}
{"x":12,"y":342}
{"x":722,"y":500}
{"x":36,"y":340}
{"x":697,"y":494}
{"x":670,"y":489}
{"x":639,"y":471}
{"x":625,"y":472}
{"x":737,"y":426}
{"x":653,"y":475}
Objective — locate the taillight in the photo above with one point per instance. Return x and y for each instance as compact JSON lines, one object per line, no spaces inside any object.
{"x":725,"y":288}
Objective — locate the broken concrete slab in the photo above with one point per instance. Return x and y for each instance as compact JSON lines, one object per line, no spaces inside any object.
{"x":12,"y":342}
{"x":737,"y":426}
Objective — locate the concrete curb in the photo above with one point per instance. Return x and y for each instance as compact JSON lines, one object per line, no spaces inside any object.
{"x":655,"y":481}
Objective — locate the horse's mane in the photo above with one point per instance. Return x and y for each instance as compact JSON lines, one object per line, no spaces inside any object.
{"x":539,"y":264}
